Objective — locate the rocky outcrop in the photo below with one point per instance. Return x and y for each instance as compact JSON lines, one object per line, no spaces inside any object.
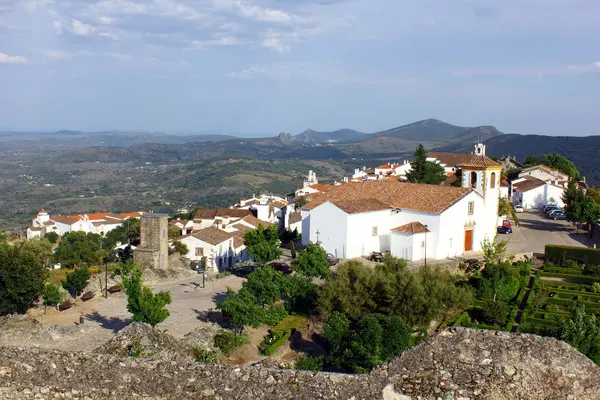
{"x":456,"y":364}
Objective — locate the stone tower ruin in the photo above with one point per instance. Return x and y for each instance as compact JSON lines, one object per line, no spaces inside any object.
{"x":153,"y":250}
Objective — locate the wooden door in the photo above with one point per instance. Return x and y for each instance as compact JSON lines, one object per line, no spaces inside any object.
{"x":468,"y":240}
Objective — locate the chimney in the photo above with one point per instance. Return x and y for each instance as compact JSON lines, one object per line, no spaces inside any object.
{"x":345,"y":179}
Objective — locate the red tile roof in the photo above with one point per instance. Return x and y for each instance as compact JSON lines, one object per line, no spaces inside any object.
{"x":529,"y":183}
{"x":411,"y":228}
{"x":222,"y":212}
{"x":321,"y":188}
{"x":463,"y":159}
{"x":411,"y":196}
{"x":68,"y":220}
{"x":212,"y":235}
{"x":360,"y":206}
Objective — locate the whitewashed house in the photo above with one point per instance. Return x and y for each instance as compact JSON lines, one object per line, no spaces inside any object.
{"x":354,"y":220}
{"x":219,"y":217}
{"x":534,"y":193}
{"x":100,"y":223}
{"x":184,"y":227}
{"x":546,"y":174}
{"x":266,"y":207}
{"x":218,"y":248}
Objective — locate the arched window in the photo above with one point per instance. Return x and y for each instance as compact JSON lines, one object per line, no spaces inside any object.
{"x":493,"y":181}
{"x":473,"y":179}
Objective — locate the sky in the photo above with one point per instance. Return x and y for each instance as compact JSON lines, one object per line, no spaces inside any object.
{"x":267,"y":66}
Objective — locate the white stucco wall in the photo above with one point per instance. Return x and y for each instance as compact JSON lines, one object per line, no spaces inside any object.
{"x":540,"y":196}
{"x":332,"y":225}
{"x":360,"y":239}
{"x":215,"y":253}
{"x":410,"y":247}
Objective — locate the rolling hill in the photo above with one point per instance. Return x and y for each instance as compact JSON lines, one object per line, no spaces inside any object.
{"x":341,"y":135}
{"x":428,"y":129}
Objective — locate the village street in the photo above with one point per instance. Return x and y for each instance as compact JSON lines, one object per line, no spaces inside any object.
{"x":535,"y":231}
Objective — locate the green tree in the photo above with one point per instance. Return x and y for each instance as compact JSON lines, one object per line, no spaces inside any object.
{"x":263,"y":244}
{"x":312,"y":262}
{"x":571,"y":192}
{"x":76,"y":248}
{"x":180,"y":248}
{"x":423,"y":171}
{"x":51,"y":296}
{"x":77,"y":281}
{"x":362,"y":344}
{"x":127,"y":232}
{"x":242,"y":308}
{"x":308,"y":363}
{"x":267,"y":285}
{"x":563,"y":164}
{"x":458,"y":181}
{"x":583,"y":210}
{"x":532,"y":161}
{"x":494,"y":252}
{"x":52,"y":237}
{"x":417,"y":297}
{"x":293,"y":252}
{"x":40,"y":249}
{"x":3,"y":237}
{"x":582,"y":331}
{"x":594,"y":194}
{"x":142,"y":303}
{"x":495,"y":313}
{"x":22,"y":277}
{"x":499,"y":281}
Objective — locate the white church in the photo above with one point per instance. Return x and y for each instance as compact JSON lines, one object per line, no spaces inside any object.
{"x":411,"y":221}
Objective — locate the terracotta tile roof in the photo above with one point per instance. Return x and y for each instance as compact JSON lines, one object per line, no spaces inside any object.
{"x":321,"y":188}
{"x":35,"y":228}
{"x":205,"y":214}
{"x":463,"y":159}
{"x":233,"y":212}
{"x":278,"y":204}
{"x":411,"y":228}
{"x":384,"y":166}
{"x":411,"y":196}
{"x":241,"y":228}
{"x":391,"y":179}
{"x":295,"y":217}
{"x":480,"y":161}
{"x":238,"y":241}
{"x":43,"y":211}
{"x":212,"y":235}
{"x":97,"y":216}
{"x":49,"y":223}
{"x":252,"y":220}
{"x":360,"y":206}
{"x":528,"y":183}
{"x":68,"y":220}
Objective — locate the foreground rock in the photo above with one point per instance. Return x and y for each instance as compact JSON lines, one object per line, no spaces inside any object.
{"x":456,"y":364}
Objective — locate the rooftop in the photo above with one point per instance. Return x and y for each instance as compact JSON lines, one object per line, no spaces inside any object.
{"x":412,"y":228}
{"x":371,"y":195}
{"x":463,"y":160}
{"x":212,"y":235}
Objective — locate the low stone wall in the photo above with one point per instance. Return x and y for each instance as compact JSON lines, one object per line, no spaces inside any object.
{"x":456,"y":364}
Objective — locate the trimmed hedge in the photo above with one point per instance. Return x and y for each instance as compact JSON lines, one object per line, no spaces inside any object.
{"x":272,"y":348}
{"x":571,"y":278}
{"x":558,"y":254}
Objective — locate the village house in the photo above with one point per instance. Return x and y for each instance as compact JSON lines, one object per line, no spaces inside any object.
{"x":217,"y":249}
{"x":100,"y":223}
{"x":546,"y":174}
{"x":184,"y":227}
{"x":530,"y":192}
{"x":219,"y":217}
{"x":248,"y":223}
{"x":409,"y":220}
{"x":265,"y":207}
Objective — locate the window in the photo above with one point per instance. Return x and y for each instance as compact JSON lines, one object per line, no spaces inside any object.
{"x":374,"y":231}
{"x":473,"y":180}
{"x":493,"y":181}
{"x":199,"y":251}
{"x":471,"y":207}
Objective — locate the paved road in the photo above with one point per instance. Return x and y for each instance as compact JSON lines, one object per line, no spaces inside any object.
{"x":535,"y":231}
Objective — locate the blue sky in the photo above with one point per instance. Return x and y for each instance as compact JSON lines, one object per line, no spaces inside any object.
{"x":184,"y":66}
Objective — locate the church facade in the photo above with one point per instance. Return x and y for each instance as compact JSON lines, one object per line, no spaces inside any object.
{"x":411,"y":221}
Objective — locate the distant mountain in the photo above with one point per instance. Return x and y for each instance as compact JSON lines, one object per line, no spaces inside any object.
{"x":428,"y":129}
{"x":339,"y":136}
{"x":466,"y":139}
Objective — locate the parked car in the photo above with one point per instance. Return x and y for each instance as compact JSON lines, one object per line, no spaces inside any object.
{"x":332,"y":260}
{"x":550,"y":210}
{"x":281,"y":267}
{"x":551,"y":213}
{"x":549,"y":205}
{"x":519,"y":208}
{"x":376,"y":256}
{"x":244,"y":270}
{"x":504,"y":230}
{"x":558,"y":215}
{"x":506,"y":224}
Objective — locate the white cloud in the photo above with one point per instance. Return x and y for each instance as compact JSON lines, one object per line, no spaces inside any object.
{"x":56,"y":55}
{"x":107,"y":20}
{"x":81,"y":29}
{"x":593,"y":67}
{"x":262,"y":14}
{"x":109,"y":35}
{"x":169,"y":8}
{"x":275,"y":43}
{"x":31,"y":5}
{"x":6,"y":59}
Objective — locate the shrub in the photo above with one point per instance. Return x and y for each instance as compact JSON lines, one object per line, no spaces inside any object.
{"x":77,"y":281}
{"x":135,"y":349}
{"x":308,"y":363}
{"x":495,"y":313}
{"x":560,"y":254}
{"x":596,"y":287}
{"x":51,"y":296}
{"x":228,"y":342}
{"x":206,"y":356}
{"x":312,"y":262}
{"x":142,"y":303}
{"x":293,"y":249}
{"x":223,"y":274}
{"x":274,"y":315}
{"x":272,"y":343}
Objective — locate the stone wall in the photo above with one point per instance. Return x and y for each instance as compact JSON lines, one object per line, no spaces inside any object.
{"x":153,"y":250}
{"x":456,"y":364}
